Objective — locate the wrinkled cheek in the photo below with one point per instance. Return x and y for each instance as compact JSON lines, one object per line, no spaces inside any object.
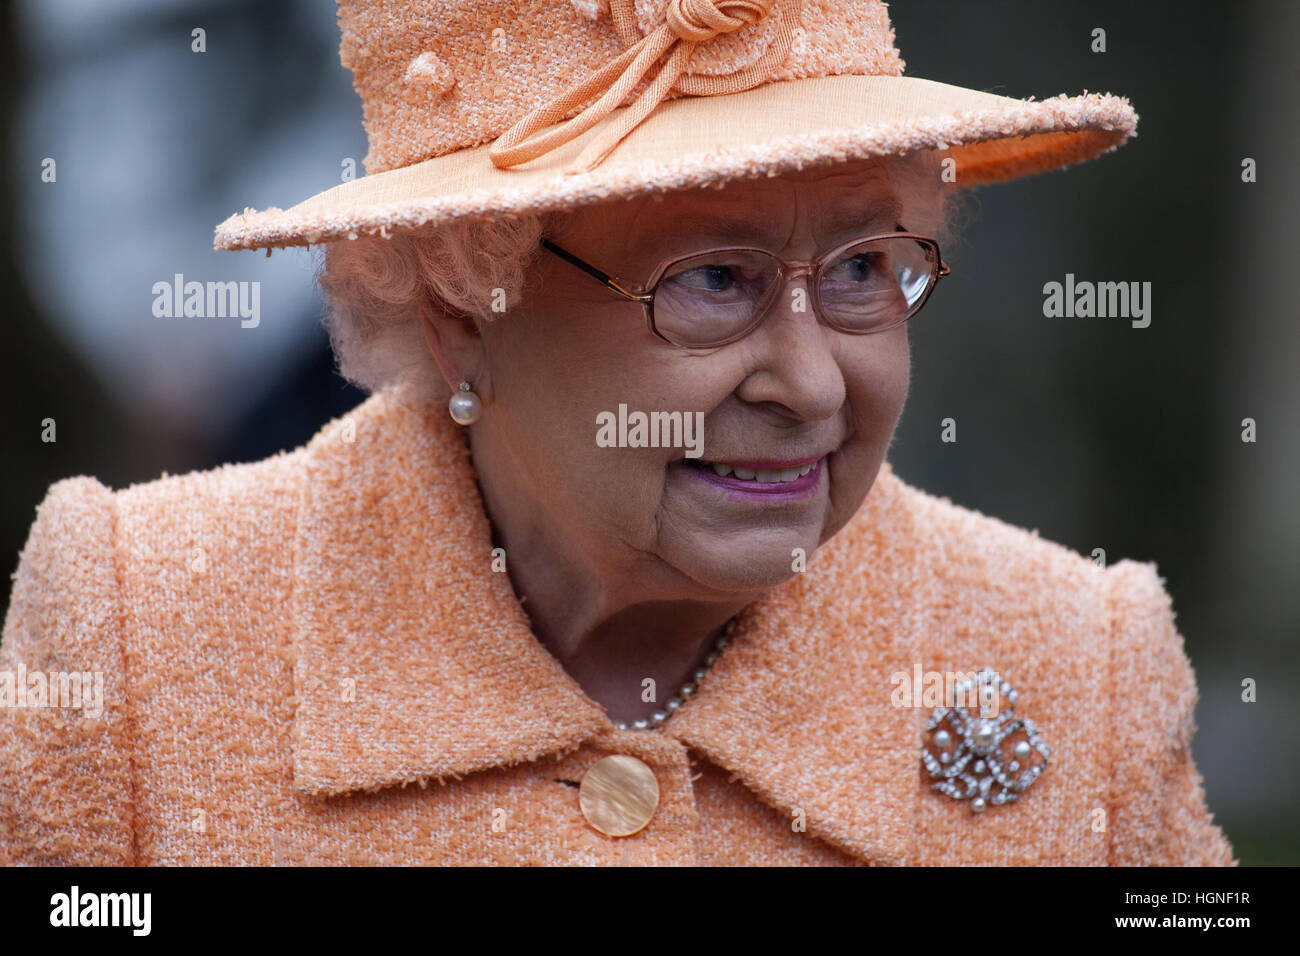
{"x":894,"y":368}
{"x":631,"y":491}
{"x":877,"y":389}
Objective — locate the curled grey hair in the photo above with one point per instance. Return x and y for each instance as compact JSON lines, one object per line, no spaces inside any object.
{"x":377,"y":291}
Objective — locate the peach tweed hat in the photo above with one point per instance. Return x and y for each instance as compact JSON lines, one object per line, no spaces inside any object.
{"x":486,"y":108}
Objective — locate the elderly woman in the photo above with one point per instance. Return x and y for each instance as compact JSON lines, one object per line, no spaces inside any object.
{"x":611,"y":567}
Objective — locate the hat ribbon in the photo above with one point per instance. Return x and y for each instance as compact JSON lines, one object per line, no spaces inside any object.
{"x":688,"y":23}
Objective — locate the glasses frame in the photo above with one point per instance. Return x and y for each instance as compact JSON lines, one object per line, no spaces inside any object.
{"x":787,"y":270}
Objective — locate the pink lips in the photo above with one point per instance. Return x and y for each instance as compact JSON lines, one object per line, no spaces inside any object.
{"x":802,"y":487}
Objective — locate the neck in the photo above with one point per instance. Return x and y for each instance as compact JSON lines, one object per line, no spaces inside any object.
{"x":606,"y":621}
{"x":633,"y":660}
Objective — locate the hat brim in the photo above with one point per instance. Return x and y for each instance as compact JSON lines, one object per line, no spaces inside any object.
{"x":695,"y":141}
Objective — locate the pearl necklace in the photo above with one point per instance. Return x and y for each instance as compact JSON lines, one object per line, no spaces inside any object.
{"x":670,"y":706}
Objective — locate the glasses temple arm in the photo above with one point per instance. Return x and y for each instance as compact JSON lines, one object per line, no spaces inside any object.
{"x":592,"y":271}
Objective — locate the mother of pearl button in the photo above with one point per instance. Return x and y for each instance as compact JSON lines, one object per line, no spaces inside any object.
{"x":619,"y":795}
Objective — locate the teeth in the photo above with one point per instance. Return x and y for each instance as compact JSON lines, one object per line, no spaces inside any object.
{"x":765,"y":476}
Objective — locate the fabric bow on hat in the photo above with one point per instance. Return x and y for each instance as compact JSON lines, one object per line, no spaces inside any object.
{"x":688,"y":23}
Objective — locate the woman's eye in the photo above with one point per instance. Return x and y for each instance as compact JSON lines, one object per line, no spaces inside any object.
{"x":708,"y":278}
{"x":858,"y":268}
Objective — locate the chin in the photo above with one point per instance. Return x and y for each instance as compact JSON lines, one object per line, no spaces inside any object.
{"x":738,"y":564}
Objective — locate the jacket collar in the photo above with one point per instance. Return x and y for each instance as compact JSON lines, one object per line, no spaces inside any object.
{"x":413,"y":663}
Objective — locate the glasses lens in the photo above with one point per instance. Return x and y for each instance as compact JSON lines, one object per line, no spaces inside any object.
{"x":877,"y":284}
{"x":713,"y":297}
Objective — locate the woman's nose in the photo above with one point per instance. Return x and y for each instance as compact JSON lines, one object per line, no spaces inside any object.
{"x":796,"y":356}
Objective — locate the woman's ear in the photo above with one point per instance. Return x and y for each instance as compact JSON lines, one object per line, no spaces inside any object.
{"x":457,"y":348}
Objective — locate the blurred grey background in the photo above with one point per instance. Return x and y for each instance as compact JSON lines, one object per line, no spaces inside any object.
{"x":1094,"y":433}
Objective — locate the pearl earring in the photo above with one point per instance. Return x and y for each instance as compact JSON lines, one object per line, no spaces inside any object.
{"x":465,"y":407}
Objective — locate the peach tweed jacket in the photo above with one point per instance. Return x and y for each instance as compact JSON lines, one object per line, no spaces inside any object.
{"x":307,"y":660}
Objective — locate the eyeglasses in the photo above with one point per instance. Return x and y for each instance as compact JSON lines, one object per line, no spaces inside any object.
{"x":709,"y":299}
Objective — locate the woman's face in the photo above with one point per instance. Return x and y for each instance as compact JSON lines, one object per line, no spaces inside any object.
{"x":791,"y":393}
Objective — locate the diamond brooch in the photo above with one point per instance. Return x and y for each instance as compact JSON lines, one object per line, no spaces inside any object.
{"x":978,"y":749}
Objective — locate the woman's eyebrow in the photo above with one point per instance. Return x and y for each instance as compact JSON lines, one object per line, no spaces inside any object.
{"x":882,"y":215}
{"x":705,"y":228}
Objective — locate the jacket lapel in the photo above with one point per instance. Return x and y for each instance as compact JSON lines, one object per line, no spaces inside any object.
{"x":414,"y":661}
{"x":799,"y":705}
